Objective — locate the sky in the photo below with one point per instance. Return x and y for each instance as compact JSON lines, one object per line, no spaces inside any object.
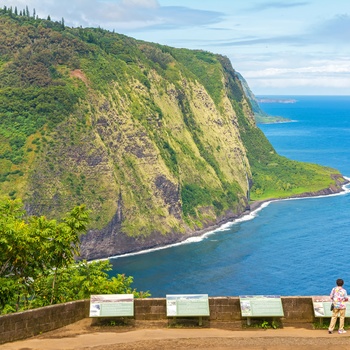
{"x":290,"y":47}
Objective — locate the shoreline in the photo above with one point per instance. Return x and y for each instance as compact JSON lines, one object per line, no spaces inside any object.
{"x":254,"y":207}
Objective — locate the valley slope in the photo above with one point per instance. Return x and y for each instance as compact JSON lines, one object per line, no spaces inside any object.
{"x":159,"y":143}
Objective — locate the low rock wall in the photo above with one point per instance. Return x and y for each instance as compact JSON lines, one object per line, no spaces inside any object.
{"x":26,"y":324}
{"x":225,"y":312}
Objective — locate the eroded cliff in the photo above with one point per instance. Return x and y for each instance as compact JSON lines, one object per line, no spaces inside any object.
{"x":159,"y":143}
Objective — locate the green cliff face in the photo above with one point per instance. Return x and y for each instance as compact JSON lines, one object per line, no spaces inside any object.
{"x":158,"y":142}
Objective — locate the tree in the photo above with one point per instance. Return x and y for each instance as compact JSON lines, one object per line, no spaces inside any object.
{"x":35,"y":246}
{"x":37,"y":261}
{"x":82,"y":279}
{"x":11,"y":214}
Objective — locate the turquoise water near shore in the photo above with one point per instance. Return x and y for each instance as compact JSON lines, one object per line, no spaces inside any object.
{"x":290,"y":247}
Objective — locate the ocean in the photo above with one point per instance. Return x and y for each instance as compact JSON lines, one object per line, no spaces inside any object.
{"x":288,"y":247}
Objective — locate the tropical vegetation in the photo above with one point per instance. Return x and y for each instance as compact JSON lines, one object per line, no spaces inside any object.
{"x":38,"y":264}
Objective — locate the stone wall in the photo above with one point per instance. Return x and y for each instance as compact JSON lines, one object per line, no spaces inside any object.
{"x":26,"y":324}
{"x":225,"y":312}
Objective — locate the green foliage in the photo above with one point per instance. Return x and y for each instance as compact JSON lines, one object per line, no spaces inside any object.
{"x":167,"y":153}
{"x":25,"y":111}
{"x":196,"y":132}
{"x":194,"y":196}
{"x":78,"y":281}
{"x":203,"y":66}
{"x":32,"y":246}
{"x":233,"y":83}
{"x":323,"y":323}
{"x":4,"y":176}
{"x":29,"y":109}
{"x":157,"y":54}
{"x":33,"y":92}
{"x":270,"y":323}
{"x":275,"y":176}
{"x":37,"y":261}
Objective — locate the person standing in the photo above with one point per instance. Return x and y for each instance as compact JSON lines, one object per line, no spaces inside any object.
{"x":338,"y":296}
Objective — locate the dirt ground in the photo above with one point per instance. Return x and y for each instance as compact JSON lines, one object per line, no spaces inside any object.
{"x":82,"y":336}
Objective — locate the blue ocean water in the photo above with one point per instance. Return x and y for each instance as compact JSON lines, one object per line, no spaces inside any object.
{"x":291,"y":247}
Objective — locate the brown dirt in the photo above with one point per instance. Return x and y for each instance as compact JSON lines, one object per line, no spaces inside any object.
{"x":82,"y":336}
{"x":78,"y":73}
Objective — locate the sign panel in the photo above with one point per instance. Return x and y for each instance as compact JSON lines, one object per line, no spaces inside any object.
{"x":261,"y":305}
{"x":102,"y":305}
{"x":322,"y":306}
{"x":187,"y":305}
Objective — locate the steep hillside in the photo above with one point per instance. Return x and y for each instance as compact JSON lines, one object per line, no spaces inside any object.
{"x":158,"y":142}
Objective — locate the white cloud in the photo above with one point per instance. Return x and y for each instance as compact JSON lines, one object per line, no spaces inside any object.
{"x":120,"y":15}
{"x":333,"y":68}
{"x":141,"y":3}
{"x":267,"y":5}
{"x":318,"y":83}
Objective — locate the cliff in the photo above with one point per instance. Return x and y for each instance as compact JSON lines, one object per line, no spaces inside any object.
{"x":260,"y":116}
{"x":159,"y":143}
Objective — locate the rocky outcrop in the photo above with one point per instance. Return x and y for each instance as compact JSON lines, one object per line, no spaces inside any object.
{"x":111,"y":241}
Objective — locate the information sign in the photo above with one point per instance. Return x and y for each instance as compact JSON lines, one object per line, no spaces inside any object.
{"x":111,"y":305}
{"x":187,"y":305}
{"x":322,"y":306}
{"x":261,"y":305}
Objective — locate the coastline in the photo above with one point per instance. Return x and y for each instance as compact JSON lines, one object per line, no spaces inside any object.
{"x":249,"y":214}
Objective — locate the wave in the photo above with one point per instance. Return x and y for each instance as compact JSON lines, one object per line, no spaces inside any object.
{"x":226,"y":227}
